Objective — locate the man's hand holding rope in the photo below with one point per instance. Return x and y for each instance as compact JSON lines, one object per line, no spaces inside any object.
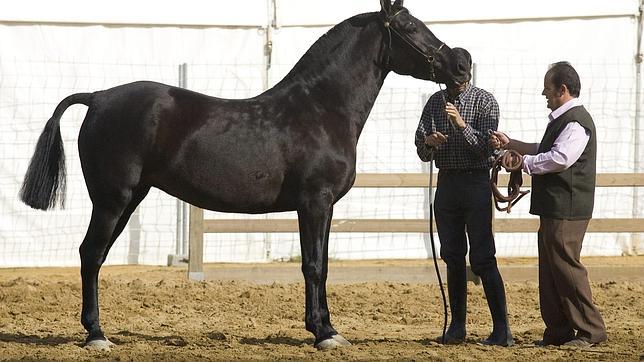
{"x":512,"y":162}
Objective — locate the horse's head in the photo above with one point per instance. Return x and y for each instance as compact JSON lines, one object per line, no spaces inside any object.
{"x":412,"y":49}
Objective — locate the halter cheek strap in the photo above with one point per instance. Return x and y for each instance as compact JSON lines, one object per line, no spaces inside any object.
{"x":429,"y":57}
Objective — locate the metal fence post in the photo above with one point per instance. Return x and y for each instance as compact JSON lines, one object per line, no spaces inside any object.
{"x":637,"y":243}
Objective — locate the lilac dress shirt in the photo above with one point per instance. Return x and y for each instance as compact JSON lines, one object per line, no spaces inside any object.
{"x":566,"y":150}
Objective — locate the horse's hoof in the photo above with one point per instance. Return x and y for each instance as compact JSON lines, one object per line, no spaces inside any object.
{"x":99,"y":345}
{"x":335,"y":341}
{"x":343,"y":342}
{"x":328,"y":344}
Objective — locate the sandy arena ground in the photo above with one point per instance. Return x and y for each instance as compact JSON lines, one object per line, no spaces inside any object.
{"x":387,"y":309}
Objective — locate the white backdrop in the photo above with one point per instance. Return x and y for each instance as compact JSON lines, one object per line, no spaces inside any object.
{"x":50,"y":50}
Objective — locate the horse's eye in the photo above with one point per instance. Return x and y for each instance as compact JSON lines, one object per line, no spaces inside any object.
{"x":410,"y":27}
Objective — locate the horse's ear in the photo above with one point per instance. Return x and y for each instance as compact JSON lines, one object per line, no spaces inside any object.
{"x":386,"y":6}
{"x":398,"y":3}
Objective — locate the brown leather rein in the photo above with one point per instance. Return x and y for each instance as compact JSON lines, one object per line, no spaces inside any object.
{"x":512,"y":162}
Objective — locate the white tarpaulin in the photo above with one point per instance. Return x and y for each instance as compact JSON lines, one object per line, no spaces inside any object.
{"x":325,"y":13}
{"x":246,"y":13}
{"x":49,"y":50}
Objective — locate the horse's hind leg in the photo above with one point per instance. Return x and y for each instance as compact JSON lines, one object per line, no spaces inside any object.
{"x":92,"y":250}
{"x":107,"y":222}
{"x":315,"y":222}
{"x":138,"y":194}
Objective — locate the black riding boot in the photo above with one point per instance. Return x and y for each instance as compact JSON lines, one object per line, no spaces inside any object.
{"x":457,"y":290}
{"x":495,"y":294}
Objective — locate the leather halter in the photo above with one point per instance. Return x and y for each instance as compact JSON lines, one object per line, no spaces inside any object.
{"x":512,"y":162}
{"x":430,"y":56}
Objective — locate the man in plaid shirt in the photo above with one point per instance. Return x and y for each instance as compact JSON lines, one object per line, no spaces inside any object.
{"x":453,"y":129}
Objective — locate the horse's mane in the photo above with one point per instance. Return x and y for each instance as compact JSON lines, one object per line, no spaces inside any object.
{"x":317,"y":55}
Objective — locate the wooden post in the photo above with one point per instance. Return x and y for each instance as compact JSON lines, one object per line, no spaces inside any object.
{"x":195,"y":249}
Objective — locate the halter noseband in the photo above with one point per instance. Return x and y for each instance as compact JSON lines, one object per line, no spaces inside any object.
{"x":429,"y":57}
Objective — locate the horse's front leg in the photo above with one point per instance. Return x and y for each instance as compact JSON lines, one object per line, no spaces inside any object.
{"x":315,"y":222}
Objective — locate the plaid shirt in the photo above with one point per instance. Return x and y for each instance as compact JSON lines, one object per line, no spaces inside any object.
{"x":466,"y":149}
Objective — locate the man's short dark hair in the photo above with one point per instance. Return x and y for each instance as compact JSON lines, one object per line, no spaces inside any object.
{"x":563,"y":73}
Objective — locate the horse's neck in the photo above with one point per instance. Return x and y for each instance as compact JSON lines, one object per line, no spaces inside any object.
{"x":345,"y":78}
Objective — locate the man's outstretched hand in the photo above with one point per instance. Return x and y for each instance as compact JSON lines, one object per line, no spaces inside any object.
{"x":499,"y":140}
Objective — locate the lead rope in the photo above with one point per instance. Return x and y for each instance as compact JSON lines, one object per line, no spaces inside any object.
{"x":431,"y":238}
{"x":431,"y":228}
{"x":512,"y":162}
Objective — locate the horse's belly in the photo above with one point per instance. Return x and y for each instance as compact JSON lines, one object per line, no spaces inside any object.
{"x":224,"y":184}
{"x":227,"y":171}
{"x":254,"y":191}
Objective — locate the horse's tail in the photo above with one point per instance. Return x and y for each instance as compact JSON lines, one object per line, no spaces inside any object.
{"x":44,"y":183}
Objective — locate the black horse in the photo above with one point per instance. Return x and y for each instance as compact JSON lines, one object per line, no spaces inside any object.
{"x":292,"y":147}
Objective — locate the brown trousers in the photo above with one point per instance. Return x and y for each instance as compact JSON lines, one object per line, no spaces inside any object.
{"x":564,"y":291}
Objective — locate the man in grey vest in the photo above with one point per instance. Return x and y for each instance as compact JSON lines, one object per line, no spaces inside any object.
{"x":562,"y":167}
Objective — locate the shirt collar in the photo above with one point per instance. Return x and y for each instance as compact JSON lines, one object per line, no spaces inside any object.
{"x":575,"y":102}
{"x":461,"y":95}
